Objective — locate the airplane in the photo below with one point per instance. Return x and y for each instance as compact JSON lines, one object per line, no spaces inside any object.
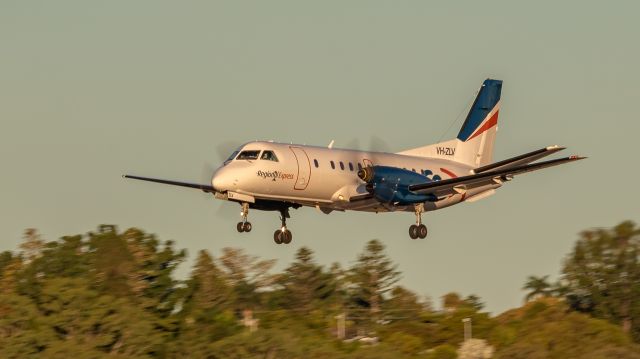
{"x":271,"y":176}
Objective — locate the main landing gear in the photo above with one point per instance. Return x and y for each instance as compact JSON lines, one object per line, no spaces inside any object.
{"x":283,"y":235}
{"x":244,"y":226}
{"x":418,"y":230}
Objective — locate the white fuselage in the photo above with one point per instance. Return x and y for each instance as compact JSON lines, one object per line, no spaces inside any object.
{"x":323,"y":177}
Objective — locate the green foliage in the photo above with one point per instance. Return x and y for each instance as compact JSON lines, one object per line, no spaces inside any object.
{"x":373,"y":276}
{"x":444,"y":351}
{"x":305,"y":283}
{"x":406,"y":343}
{"x":547,"y":329}
{"x":537,"y":287}
{"x":602,"y":275}
{"x":113,"y":294}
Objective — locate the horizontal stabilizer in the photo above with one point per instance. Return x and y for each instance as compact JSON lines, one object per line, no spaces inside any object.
{"x":452,"y":186}
{"x":520,"y":160}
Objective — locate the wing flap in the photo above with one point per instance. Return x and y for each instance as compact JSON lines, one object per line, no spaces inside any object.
{"x":455,"y":185}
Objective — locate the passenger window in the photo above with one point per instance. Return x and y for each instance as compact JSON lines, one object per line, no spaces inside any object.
{"x":427,"y":173}
{"x":315,"y":162}
{"x":351,"y":166}
{"x":269,"y":156}
{"x":333,"y":165}
{"x":341,"y":165}
{"x":413,"y":169}
{"x":248,"y":155}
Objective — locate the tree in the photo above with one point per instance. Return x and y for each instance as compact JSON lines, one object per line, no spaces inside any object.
{"x":373,"y":276}
{"x":404,"y":301}
{"x":305,"y":282}
{"x":451,"y":301}
{"x":547,"y":329}
{"x":247,"y":274}
{"x":537,"y":287}
{"x":208,"y":287}
{"x":32,"y":245}
{"x":10,"y":267}
{"x":602,"y":275}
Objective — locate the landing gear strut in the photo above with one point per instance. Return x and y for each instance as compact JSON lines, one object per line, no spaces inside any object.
{"x":283,"y":235}
{"x":244,"y":226}
{"x":418,"y":230}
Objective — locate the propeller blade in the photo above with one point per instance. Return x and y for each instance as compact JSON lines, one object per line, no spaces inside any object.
{"x":354,"y":144}
{"x":225,"y":149}
{"x":207,"y":172}
{"x":377,"y":144}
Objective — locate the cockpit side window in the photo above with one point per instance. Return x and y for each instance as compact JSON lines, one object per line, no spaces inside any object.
{"x":269,"y":156}
{"x":233,"y":155}
{"x":248,"y":155}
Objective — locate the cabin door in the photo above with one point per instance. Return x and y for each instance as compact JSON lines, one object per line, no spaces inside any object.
{"x":304,"y":168}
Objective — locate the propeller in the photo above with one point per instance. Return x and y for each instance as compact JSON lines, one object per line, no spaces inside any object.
{"x":376,"y":144}
{"x":225,"y":210}
{"x":225,"y":149}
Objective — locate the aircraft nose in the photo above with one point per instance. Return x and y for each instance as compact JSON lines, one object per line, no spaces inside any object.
{"x":221,"y":181}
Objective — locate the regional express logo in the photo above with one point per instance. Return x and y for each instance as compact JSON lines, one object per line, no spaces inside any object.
{"x":274,"y":175}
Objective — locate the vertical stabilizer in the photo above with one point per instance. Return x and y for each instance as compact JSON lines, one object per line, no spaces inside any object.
{"x":474,"y":144}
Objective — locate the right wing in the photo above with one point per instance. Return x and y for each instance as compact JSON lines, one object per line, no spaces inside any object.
{"x":496,"y":176}
{"x":202,"y":187}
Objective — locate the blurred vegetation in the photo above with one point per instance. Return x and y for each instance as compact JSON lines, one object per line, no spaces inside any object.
{"x":112,"y":293}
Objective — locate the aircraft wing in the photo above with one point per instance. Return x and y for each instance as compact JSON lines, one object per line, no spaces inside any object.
{"x":497,"y":176}
{"x":202,"y":187}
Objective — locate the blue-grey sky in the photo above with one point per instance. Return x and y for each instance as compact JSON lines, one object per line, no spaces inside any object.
{"x":93,"y":89}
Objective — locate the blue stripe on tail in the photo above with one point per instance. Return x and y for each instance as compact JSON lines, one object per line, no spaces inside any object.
{"x":486,"y":100}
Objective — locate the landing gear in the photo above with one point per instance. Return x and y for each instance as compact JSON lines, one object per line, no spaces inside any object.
{"x":418,"y":230}
{"x":244,"y":226}
{"x":283,"y":235}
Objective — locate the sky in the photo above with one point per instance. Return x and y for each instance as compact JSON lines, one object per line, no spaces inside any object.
{"x":90,"y":90}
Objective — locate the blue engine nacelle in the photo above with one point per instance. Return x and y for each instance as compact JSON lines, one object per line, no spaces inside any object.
{"x":391,"y":185}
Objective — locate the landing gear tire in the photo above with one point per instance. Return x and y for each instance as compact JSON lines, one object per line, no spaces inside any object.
{"x":422,"y":231}
{"x":240,"y":227}
{"x":281,"y":236}
{"x":247,"y":227}
{"x":287,"y":236}
{"x":413,"y":231}
{"x":277,"y":236}
{"x":418,"y":230}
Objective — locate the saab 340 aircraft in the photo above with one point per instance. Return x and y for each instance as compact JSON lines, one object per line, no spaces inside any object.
{"x":270,"y":176}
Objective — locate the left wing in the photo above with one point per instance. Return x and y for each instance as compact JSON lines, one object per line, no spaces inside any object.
{"x":202,"y":187}
{"x":462,"y":184}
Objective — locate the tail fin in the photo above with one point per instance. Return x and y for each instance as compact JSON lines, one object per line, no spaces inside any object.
{"x":474,"y":143}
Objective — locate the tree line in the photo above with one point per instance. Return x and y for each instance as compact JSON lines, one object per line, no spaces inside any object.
{"x":114,"y":293}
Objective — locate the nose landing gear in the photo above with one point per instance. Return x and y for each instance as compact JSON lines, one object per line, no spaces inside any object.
{"x":283,"y":235}
{"x":244,"y":226}
{"x":418,"y":230}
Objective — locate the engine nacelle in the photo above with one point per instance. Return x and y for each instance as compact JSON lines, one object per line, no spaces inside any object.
{"x":391,"y":185}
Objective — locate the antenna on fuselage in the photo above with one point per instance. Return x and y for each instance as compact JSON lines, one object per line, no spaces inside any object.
{"x":331,"y":144}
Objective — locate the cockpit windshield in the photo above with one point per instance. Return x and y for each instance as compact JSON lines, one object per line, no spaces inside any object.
{"x":248,"y":155}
